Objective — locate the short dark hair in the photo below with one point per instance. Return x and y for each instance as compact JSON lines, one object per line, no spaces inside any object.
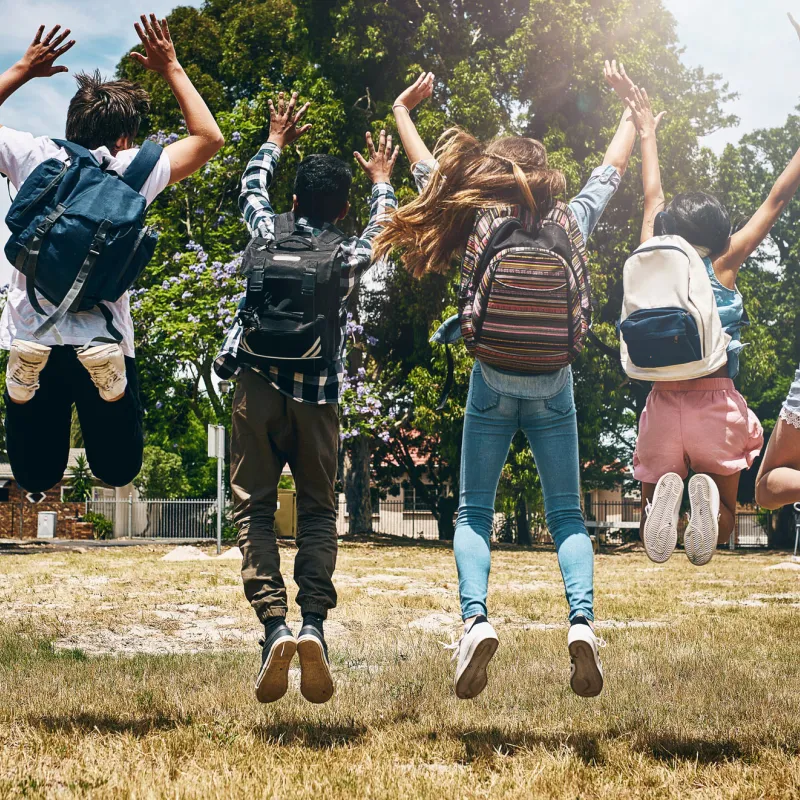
{"x":322,"y":187}
{"x":102,"y":111}
{"x":701,"y":219}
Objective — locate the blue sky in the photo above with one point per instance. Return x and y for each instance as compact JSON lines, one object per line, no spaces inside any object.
{"x":750,"y":43}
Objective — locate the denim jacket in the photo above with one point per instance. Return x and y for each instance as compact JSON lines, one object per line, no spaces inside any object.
{"x":587,"y":207}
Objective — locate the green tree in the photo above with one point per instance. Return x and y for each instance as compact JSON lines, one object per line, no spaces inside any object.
{"x":162,"y":475}
{"x":81,"y":481}
{"x":521,"y":66}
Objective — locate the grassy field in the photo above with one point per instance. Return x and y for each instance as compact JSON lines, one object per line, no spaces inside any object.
{"x":123,"y":675}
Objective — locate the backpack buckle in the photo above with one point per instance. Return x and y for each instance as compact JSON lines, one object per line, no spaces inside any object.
{"x":309,"y":282}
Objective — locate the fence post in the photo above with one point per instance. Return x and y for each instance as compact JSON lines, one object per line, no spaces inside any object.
{"x":130,"y":514}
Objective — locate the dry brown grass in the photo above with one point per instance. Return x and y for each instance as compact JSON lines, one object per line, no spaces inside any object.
{"x":125,"y":676}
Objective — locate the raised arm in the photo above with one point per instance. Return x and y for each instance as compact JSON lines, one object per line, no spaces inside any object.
{"x":379,"y":169}
{"x":205,"y":139}
{"x":743,"y":243}
{"x":38,"y":61}
{"x":357,"y":252}
{"x":647,"y":125}
{"x":619,"y":151}
{"x":406,"y":102}
{"x":254,"y":199}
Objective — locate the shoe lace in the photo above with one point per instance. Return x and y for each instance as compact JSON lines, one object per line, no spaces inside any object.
{"x":26,"y":372}
{"x":454,"y":645}
{"x":104,"y":375}
{"x":648,"y":508}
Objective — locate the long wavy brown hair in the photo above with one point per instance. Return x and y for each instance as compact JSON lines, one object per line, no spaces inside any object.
{"x":435,"y":227}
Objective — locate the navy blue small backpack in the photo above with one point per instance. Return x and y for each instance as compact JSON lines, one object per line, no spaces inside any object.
{"x":78,"y":232}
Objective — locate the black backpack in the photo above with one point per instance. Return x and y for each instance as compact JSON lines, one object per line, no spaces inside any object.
{"x":292,"y":314}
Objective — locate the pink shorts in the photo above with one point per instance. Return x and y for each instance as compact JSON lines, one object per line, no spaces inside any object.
{"x":703,"y":425}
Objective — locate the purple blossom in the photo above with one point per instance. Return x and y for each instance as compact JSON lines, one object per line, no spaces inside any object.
{"x":236,"y":136}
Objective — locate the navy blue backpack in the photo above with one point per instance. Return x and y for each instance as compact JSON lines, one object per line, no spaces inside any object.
{"x":78,"y":232}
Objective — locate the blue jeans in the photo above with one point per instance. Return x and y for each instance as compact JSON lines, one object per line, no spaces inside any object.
{"x":491,"y":420}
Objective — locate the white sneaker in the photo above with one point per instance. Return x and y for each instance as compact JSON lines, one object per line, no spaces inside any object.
{"x":474,"y":651}
{"x":106,"y":365}
{"x":25,"y":363}
{"x":700,"y":540}
{"x":586,"y":679}
{"x":661,"y":525}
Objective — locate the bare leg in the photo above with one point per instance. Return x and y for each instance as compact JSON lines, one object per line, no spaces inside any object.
{"x":648,"y":490}
{"x":778,"y":481}
{"x":728,"y":486}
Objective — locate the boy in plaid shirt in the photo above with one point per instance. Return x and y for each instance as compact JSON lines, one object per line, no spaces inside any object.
{"x":281,"y":416}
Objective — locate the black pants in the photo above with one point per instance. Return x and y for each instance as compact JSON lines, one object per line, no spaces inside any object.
{"x":38,"y":432}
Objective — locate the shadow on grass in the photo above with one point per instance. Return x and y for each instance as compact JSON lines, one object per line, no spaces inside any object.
{"x":483,"y":745}
{"x":85,"y":722}
{"x":311,"y":734}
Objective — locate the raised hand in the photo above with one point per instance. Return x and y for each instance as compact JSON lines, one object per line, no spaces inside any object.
{"x":795,"y":23}
{"x":381,"y":161}
{"x":420,"y":90}
{"x":283,"y":129}
{"x":618,"y":80}
{"x":159,"y":51}
{"x":643,"y":118}
{"x":39,"y":58}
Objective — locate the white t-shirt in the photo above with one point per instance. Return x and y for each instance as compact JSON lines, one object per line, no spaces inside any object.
{"x":20,"y":154}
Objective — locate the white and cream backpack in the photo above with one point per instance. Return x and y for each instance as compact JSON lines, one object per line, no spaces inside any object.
{"x":670,"y":326}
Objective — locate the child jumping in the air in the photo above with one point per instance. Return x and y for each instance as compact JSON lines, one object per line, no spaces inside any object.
{"x":703,"y":424}
{"x":472,"y":194}
{"x":287,"y":351}
{"x":60,"y":357}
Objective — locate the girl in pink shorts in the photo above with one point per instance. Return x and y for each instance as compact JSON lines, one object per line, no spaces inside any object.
{"x":703,"y":425}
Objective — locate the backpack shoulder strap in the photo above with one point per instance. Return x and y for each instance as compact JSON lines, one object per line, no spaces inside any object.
{"x":77,"y":151}
{"x":142,"y":165}
{"x":284,"y":225}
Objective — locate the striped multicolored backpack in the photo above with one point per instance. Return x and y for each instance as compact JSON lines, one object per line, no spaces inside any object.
{"x":524,"y":299}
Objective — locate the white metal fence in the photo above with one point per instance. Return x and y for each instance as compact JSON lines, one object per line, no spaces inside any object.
{"x":159,"y":519}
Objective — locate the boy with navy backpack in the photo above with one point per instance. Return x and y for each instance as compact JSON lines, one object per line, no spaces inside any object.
{"x":78,"y":242}
{"x":287,"y":349}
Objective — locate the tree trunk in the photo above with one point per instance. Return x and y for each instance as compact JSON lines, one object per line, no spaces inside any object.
{"x":523,"y":523}
{"x":357,"y":485}
{"x":446,"y":509}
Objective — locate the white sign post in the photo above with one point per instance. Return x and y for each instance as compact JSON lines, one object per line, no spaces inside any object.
{"x":216,"y":449}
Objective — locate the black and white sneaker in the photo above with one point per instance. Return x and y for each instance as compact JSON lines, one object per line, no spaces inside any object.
{"x":473,"y":651}
{"x":700,"y":540}
{"x":661,"y":524}
{"x":316,"y":682}
{"x":278,"y":651}
{"x":586,"y":678}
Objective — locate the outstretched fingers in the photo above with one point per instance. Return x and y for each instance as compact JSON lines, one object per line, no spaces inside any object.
{"x":47,"y":39}
{"x":155,"y":26}
{"x":370,"y":146}
{"x":361,"y":160}
{"x":38,"y":38}
{"x":301,"y":113}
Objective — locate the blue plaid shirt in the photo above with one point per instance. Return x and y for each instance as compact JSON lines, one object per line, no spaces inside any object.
{"x":356,"y":258}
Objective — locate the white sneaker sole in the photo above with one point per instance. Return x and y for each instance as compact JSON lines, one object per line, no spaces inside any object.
{"x":587,"y":679}
{"x":316,"y":682}
{"x":703,"y":531}
{"x":660,"y":528}
{"x":273,"y":680}
{"x":473,"y":678}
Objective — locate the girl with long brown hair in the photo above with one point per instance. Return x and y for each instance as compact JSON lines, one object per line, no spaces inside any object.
{"x":457,"y":182}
